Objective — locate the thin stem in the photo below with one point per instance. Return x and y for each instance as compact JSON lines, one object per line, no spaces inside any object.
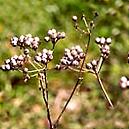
{"x":34,"y":75}
{"x":46,"y":82}
{"x":66,"y":104}
{"x":86,"y":51}
{"x":103,"y":89}
{"x":79,"y":29}
{"x":86,"y":24}
{"x":101,"y":60}
{"x":76,"y":70}
{"x":36,"y":70}
{"x":33,"y":64}
{"x":77,"y":83}
{"x":38,"y":64}
{"x":47,"y":105}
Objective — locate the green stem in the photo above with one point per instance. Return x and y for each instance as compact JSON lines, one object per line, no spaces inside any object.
{"x":103,"y":89}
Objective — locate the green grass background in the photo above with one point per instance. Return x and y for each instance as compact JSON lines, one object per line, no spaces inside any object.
{"x":21,"y":105}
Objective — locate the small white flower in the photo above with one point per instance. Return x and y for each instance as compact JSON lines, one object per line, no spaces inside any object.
{"x":44,"y":50}
{"x":37,"y":58}
{"x":28,"y":35}
{"x":97,"y":40}
{"x":89,"y":66}
{"x":123,"y":79}
{"x":47,"y":39}
{"x":21,"y":39}
{"x":74,"y":52}
{"x":123,"y":85}
{"x":102,"y":40}
{"x":63,"y":34}
{"x":36,"y":39}
{"x":53,"y":31}
{"x":49,"y":32}
{"x":108,"y":40}
{"x":7,"y":66}
{"x":127,"y":83}
{"x":44,"y":55}
{"x":44,"y":60}
{"x":50,"y":52}
{"x":75,"y":63}
{"x":74,"y":18}
{"x":94,"y":63}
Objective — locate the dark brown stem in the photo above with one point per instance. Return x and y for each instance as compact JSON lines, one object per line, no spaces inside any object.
{"x":76,"y":85}
{"x":46,"y":104}
{"x":46,"y":82}
{"x":66,"y":104}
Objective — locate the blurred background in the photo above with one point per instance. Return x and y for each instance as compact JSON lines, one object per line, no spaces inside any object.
{"x":21,"y":105}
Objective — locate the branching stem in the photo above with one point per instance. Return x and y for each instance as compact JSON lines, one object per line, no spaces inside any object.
{"x":80,"y":76}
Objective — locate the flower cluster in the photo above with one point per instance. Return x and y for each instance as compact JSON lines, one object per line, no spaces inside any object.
{"x":72,"y":57}
{"x":13,"y":63}
{"x":104,"y":46}
{"x":92,"y":65}
{"x":25,"y":41}
{"x":54,"y":36}
{"x":44,"y":57}
{"x":124,"y":82}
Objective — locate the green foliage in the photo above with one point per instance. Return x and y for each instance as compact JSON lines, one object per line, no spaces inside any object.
{"x":21,"y":104}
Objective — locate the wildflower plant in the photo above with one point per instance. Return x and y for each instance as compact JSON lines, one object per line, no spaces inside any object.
{"x":74,"y":59}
